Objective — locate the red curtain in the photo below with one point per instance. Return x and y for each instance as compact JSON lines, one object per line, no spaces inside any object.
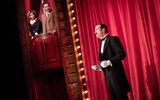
{"x":137,"y":23}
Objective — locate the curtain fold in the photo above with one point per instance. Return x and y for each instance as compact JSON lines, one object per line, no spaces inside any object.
{"x":137,"y":24}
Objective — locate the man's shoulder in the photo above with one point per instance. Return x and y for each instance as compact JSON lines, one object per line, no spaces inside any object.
{"x":112,"y":37}
{"x":39,"y":21}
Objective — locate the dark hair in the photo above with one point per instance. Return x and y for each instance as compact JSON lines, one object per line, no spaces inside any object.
{"x":45,"y":3}
{"x":104,"y":26}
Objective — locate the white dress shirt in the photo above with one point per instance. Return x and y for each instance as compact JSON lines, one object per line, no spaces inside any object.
{"x":102,"y":45}
{"x":104,"y":63}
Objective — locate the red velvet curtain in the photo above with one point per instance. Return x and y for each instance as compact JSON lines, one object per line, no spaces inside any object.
{"x":137,"y":23}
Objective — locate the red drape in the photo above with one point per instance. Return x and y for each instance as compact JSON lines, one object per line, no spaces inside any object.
{"x":137,"y":23}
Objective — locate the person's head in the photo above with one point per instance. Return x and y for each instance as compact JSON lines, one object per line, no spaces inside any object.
{"x":101,"y":30}
{"x":46,"y":6}
{"x":31,"y":14}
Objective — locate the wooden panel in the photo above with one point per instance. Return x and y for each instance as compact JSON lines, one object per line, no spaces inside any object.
{"x":45,"y":53}
{"x":74,"y":88}
{"x":72,"y":78}
{"x":70,"y":59}
{"x":67,"y":50}
{"x":70,"y":69}
{"x":75,"y":96}
{"x":67,"y":41}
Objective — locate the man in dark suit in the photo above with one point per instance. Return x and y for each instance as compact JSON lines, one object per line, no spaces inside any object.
{"x":110,"y":56}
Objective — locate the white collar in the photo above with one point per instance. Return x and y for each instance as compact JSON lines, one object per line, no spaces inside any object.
{"x":104,"y":36}
{"x":32,"y":21}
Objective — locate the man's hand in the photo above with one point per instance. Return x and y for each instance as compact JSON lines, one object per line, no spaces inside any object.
{"x":106,"y":63}
{"x":96,"y":67}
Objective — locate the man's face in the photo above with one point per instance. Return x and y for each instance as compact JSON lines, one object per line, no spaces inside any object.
{"x":98,"y":32}
{"x":46,"y":7}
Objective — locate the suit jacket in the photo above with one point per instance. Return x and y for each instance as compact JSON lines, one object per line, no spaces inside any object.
{"x":36,"y":27}
{"x":114,"y":51}
{"x":49,"y":23}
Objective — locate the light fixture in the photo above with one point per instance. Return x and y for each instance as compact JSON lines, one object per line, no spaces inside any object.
{"x":77,"y":48}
